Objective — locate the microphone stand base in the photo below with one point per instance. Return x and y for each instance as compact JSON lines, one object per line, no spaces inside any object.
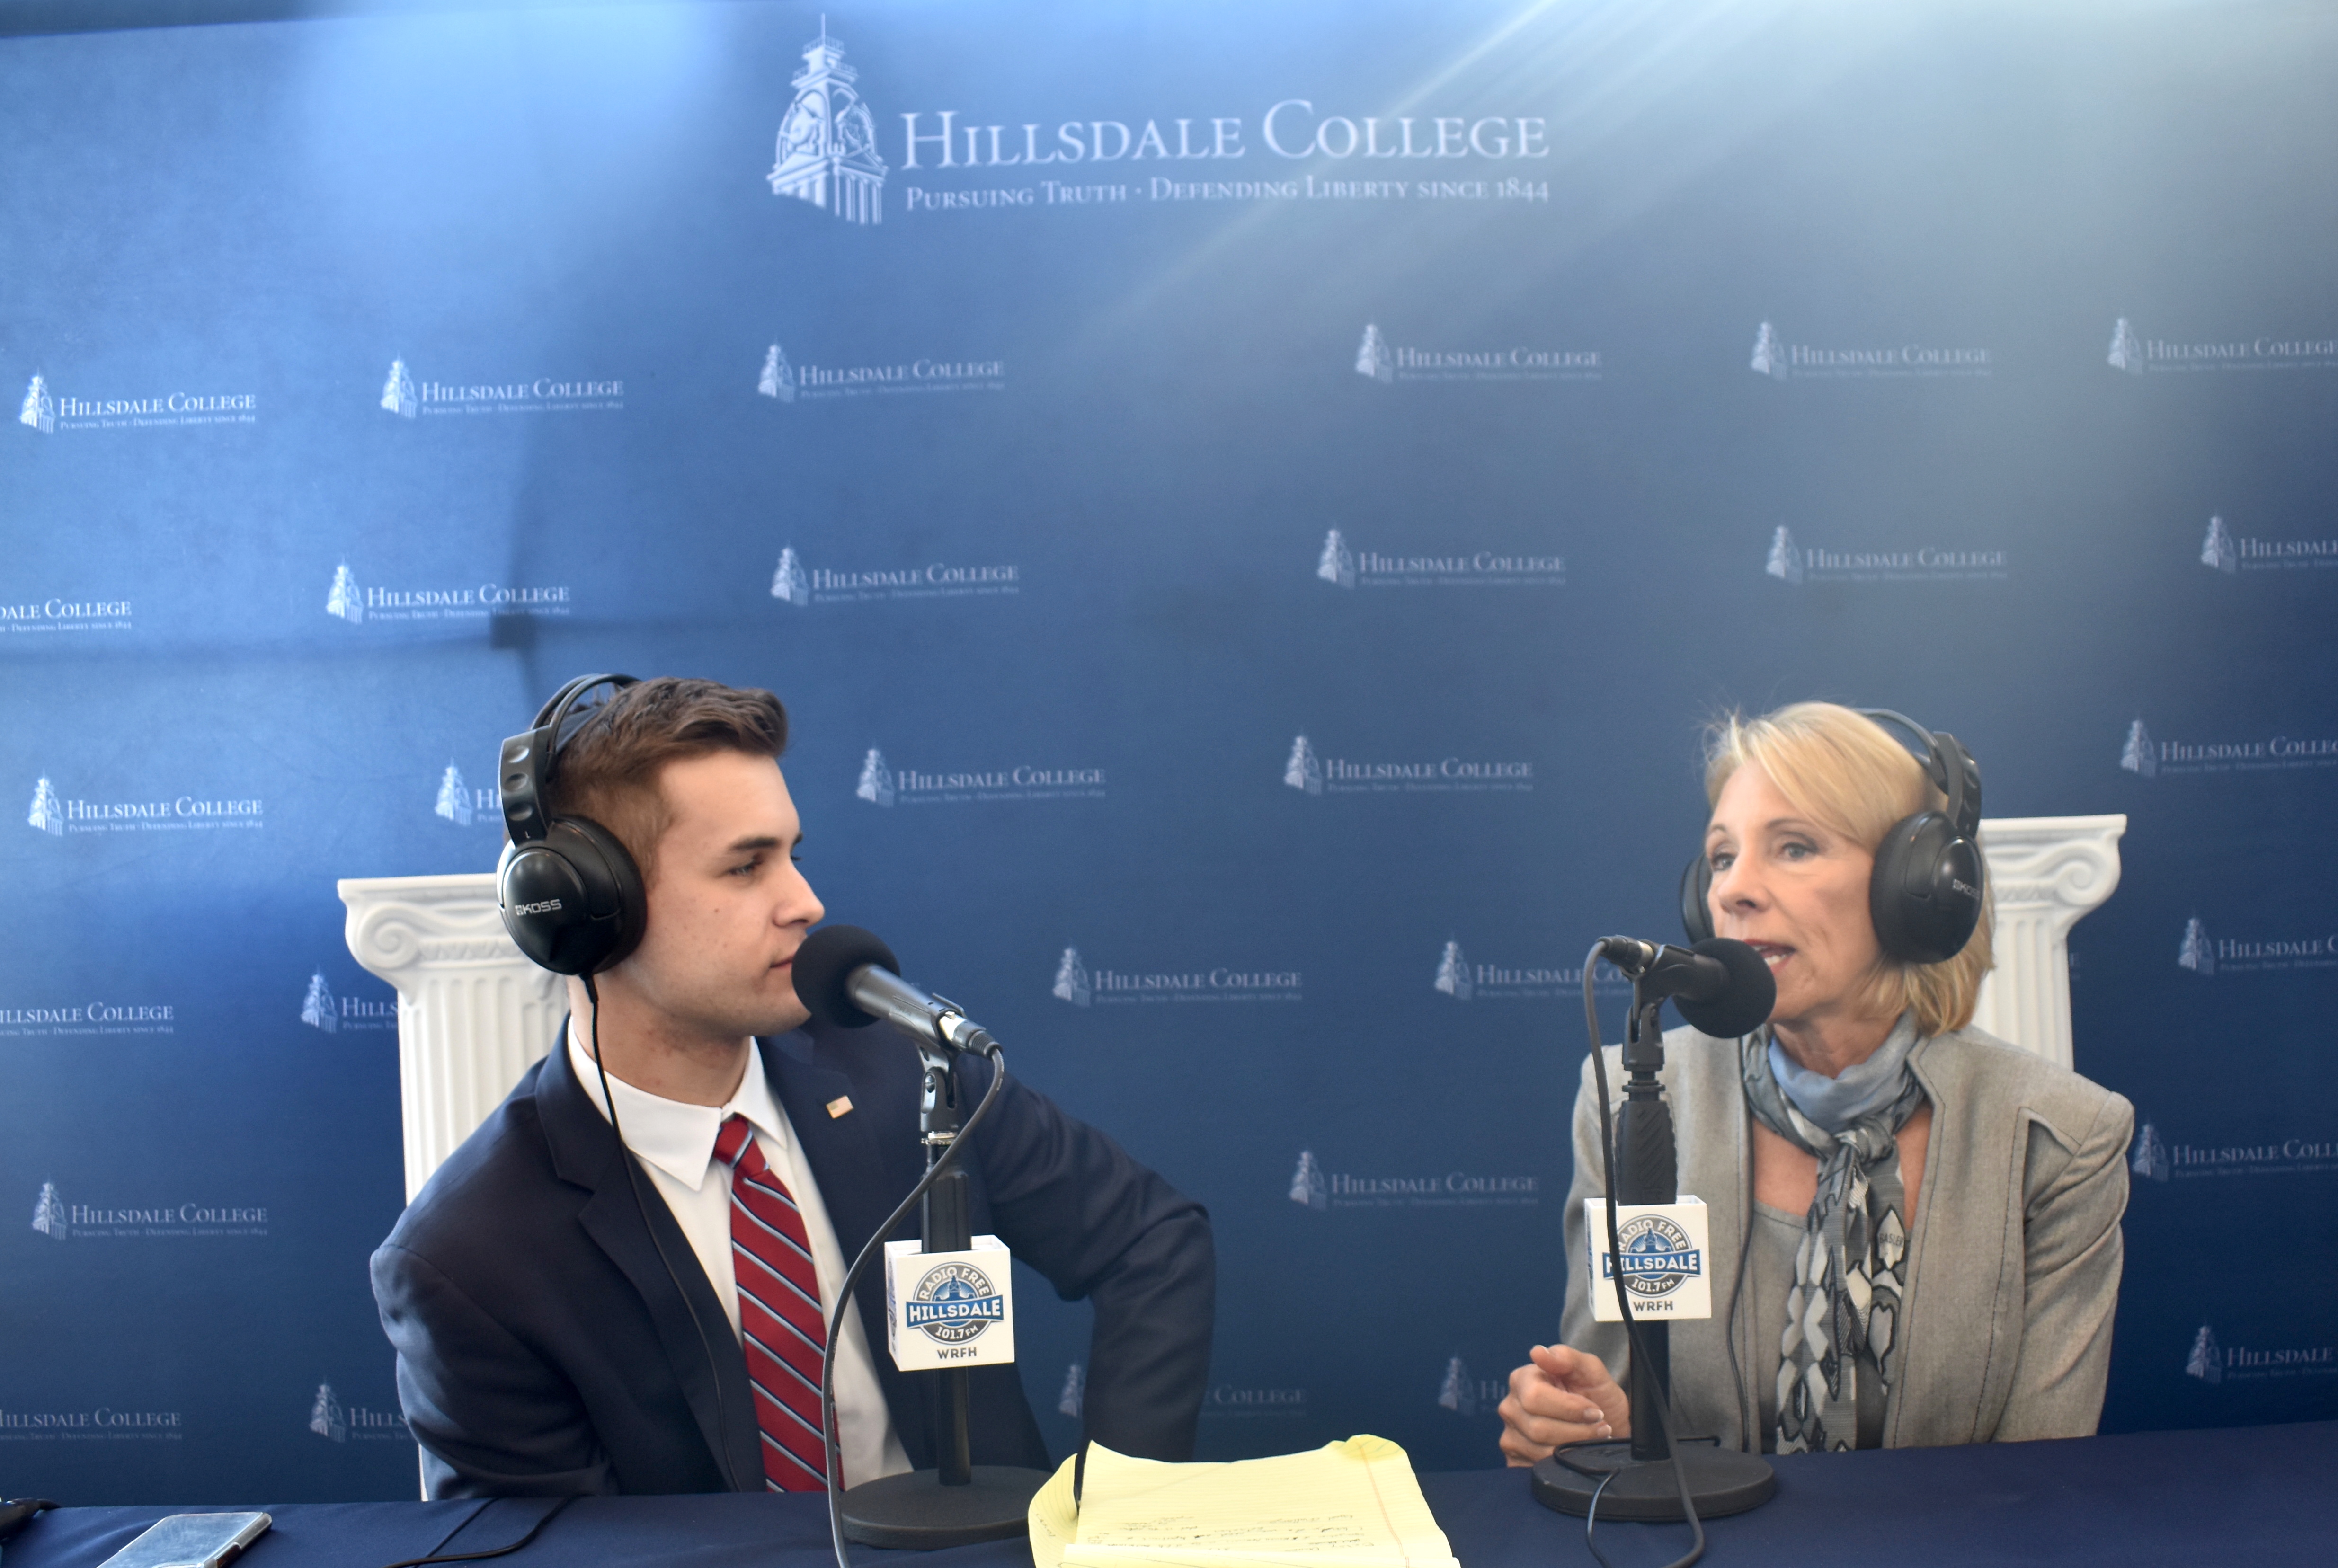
{"x":915,"y":1511}
{"x":1720,"y":1481}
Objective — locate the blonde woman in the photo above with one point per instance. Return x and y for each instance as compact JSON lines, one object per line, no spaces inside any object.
{"x":1915,"y":1225}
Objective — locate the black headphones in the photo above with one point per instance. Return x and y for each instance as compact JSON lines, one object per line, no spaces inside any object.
{"x":570,"y":894}
{"x":1924,"y":895}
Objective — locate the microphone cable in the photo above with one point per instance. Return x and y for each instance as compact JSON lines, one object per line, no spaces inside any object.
{"x":1661,"y":1405}
{"x":941,"y":1166}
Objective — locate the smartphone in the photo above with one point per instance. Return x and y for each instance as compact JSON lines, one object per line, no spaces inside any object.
{"x":191,"y":1540}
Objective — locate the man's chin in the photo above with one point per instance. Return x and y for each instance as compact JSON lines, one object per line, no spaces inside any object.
{"x":782,"y":1020}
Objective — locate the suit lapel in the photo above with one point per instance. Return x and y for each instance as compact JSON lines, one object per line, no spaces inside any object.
{"x":860,"y":1183}
{"x":692,"y":1330}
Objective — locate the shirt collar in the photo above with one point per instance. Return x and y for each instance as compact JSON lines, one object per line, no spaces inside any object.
{"x":676,"y":1137}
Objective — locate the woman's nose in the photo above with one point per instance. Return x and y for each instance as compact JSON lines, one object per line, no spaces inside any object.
{"x":1734,"y":884}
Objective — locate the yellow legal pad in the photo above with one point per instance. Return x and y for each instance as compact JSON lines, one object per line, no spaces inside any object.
{"x":1350,"y":1505}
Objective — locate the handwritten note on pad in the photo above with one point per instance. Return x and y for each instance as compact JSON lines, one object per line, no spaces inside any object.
{"x":1351,"y":1504}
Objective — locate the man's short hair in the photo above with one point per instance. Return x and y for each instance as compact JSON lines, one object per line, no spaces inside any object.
{"x":608,"y":769}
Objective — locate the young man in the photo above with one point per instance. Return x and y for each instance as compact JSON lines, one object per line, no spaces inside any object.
{"x":562,"y":1328}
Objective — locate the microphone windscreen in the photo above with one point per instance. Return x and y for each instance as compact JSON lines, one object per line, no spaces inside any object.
{"x":1745,"y":1004}
{"x":824,"y":967}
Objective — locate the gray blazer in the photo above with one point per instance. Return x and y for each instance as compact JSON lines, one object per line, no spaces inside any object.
{"x":2013,"y":1269}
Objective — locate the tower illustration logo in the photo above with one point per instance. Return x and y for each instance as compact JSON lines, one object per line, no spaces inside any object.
{"x":2216,"y":549}
{"x":790,"y":585}
{"x":875,"y":785}
{"x":397,"y":392}
{"x":1072,"y":979}
{"x":1307,"y":1188}
{"x":828,"y":140}
{"x":1453,"y":974}
{"x":1303,"y":771}
{"x":1336,"y":565}
{"x":39,"y":411}
{"x":778,"y":377}
{"x":48,"y":813}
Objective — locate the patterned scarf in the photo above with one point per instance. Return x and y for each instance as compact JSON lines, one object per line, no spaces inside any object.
{"x":1838,"y":1354}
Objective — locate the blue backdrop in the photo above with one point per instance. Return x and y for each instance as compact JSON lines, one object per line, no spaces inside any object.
{"x":1247,"y":506}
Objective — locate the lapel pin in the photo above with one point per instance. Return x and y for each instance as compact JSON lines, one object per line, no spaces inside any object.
{"x":839,"y":1106}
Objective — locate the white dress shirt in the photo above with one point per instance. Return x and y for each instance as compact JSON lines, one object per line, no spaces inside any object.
{"x":675,"y":1142}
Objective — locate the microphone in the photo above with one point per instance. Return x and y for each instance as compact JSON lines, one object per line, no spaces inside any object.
{"x":1721,"y":988}
{"x":850,"y":979}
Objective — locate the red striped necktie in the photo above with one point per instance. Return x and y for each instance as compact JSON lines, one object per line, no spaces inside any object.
{"x":779,"y":1313}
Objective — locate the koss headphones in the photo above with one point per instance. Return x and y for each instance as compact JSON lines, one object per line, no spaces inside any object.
{"x":570,"y":894}
{"x":1924,"y":894}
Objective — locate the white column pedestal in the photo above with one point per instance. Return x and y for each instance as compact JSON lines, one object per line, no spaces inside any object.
{"x":2046,"y":872}
{"x":472,"y":1010}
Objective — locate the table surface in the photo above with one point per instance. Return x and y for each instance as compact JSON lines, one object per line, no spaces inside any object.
{"x":2266,"y":1493}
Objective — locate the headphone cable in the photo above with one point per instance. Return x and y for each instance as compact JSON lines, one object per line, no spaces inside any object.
{"x":633,"y":1175}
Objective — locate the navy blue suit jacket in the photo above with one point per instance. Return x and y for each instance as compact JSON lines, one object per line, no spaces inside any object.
{"x":542,"y":1347}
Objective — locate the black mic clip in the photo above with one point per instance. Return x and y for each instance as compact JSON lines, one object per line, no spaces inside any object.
{"x":954,"y":1029}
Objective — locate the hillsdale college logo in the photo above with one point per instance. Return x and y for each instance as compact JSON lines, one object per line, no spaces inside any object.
{"x":321,"y":1010}
{"x":1074,"y":1396}
{"x":793,"y":584}
{"x":828,"y":141}
{"x":1314,"y":1188}
{"x":2201,"y":955}
{"x":1376,"y":360}
{"x":1467,"y":1396}
{"x":1075,"y":983}
{"x":337,"y":1423}
{"x":45,"y":413}
{"x":59,"y":613}
{"x":346,"y":600}
{"x":1312,"y":774}
{"x":2215,"y":1365}
{"x":462,"y":805}
{"x":784,"y":383}
{"x":59,"y":1220}
{"x":106,"y":1421}
{"x":2136,"y":355}
{"x":1344,"y":568}
{"x":2155,"y":1159}
{"x":2222,"y":551}
{"x":1291,"y":130}
{"x":402,"y":396}
{"x":881,"y":785}
{"x":1466,"y":982}
{"x":58,"y":816}
{"x":1775,"y":357}
{"x":1790,"y":563}
{"x":91,"y":1018}
{"x":2147,"y":757}
{"x":1235,"y":1400}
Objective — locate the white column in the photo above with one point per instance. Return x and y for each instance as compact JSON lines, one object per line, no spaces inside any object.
{"x":472,"y":1010}
{"x":2046,"y":872}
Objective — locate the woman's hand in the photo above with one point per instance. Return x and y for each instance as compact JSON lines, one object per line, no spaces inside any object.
{"x":1564,"y":1396}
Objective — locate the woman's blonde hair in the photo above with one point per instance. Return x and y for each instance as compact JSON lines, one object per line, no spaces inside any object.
{"x":1847,"y":773}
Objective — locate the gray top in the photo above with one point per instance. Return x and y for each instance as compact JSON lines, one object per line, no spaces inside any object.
{"x":2014,"y":1258}
{"x":1769,"y":1274}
